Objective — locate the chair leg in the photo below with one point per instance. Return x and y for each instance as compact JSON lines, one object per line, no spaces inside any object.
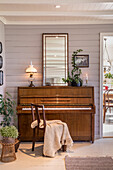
{"x":34,"y":139}
{"x":104,"y":116}
{"x":64,"y":148}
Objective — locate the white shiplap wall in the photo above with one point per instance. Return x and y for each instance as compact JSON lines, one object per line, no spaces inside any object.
{"x":24,"y":43}
{"x":2,"y":40}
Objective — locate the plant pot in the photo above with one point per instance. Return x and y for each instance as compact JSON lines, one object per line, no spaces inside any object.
{"x":78,"y":84}
{"x":17,"y":143}
{"x":8,"y":140}
{"x":69,"y":83}
{"x":75,"y":84}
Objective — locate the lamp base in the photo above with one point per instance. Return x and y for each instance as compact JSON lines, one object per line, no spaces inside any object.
{"x":31,"y":84}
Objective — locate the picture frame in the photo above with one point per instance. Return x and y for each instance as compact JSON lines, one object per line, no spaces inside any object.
{"x":1,"y":47}
{"x":1,"y":77}
{"x":82,"y":60}
{"x":1,"y":61}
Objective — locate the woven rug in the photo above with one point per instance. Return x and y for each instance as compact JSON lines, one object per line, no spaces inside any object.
{"x":89,"y":163}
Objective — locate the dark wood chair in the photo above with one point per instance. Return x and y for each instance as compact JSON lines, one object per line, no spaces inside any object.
{"x":36,"y":117}
{"x":107,"y":102}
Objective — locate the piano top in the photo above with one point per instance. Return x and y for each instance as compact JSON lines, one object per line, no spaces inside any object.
{"x":56,"y":96}
{"x":60,"y":104}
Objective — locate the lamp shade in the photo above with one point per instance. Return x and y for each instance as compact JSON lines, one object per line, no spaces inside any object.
{"x":31,"y":69}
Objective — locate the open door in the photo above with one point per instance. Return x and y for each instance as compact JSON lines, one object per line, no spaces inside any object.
{"x":106,"y":77}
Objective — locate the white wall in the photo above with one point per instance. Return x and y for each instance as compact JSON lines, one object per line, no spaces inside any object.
{"x":24,"y":43}
{"x":2,"y":40}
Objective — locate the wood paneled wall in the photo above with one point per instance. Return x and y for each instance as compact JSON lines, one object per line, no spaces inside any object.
{"x":24,"y":43}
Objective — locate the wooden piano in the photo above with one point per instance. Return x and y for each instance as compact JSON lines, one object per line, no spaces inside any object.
{"x":73,"y":105}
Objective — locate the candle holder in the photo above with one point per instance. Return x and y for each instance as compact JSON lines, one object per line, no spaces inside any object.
{"x":86,"y":82}
{"x":86,"y":79}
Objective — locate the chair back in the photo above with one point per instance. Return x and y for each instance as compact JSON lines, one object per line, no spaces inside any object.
{"x":110,"y":97}
{"x":36,"y":114}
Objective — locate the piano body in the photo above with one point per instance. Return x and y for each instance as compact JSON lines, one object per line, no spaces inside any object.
{"x":73,"y":105}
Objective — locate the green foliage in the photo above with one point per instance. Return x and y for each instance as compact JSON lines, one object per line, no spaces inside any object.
{"x":7,"y":109}
{"x":75,"y":72}
{"x":9,"y":131}
{"x":109,"y":75}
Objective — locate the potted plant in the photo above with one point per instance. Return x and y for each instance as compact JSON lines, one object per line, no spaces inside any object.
{"x":108,"y":77}
{"x":9,"y":134}
{"x":74,"y":79}
{"x":7,"y":110}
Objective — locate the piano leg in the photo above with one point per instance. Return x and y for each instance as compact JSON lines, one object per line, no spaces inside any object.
{"x":92,"y":133}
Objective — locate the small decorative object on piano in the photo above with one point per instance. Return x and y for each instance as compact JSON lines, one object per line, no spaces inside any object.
{"x":86,"y":79}
{"x":74,"y":79}
{"x":31,"y":70}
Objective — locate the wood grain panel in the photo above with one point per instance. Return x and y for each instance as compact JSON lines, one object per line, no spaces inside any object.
{"x":79,"y":121}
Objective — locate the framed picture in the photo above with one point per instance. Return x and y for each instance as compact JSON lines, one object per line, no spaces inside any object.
{"x":1,"y":77}
{"x":82,"y":60}
{"x":1,"y":62}
{"x":0,"y":47}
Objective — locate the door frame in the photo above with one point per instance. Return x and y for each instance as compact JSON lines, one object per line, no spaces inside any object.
{"x":101,"y":79}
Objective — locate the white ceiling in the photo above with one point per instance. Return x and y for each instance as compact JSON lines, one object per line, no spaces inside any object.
{"x":44,"y":11}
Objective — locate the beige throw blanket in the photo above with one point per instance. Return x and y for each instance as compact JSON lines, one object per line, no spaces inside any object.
{"x":56,"y":135}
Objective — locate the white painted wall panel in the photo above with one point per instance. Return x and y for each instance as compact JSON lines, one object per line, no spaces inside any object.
{"x":24,"y":43}
{"x":2,"y":40}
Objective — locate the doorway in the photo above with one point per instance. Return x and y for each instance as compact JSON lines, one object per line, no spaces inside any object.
{"x":106,"y":84}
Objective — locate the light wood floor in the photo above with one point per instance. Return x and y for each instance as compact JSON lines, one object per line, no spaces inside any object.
{"x":27,"y":160}
{"x":108,"y":125}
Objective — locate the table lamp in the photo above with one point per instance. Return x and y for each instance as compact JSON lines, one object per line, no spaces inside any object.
{"x":31,"y":70}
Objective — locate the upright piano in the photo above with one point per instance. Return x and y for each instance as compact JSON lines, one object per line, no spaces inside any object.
{"x":73,"y":105}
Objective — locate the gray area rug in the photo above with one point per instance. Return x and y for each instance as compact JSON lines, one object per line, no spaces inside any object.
{"x":89,"y":163}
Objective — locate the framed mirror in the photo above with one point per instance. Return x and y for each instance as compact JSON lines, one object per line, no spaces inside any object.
{"x":55,"y":58}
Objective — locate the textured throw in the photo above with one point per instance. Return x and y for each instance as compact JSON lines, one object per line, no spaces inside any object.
{"x":89,"y":163}
{"x":56,"y":135}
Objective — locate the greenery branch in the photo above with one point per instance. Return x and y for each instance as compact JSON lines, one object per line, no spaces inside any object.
{"x":7,"y":109}
{"x":75,"y":72}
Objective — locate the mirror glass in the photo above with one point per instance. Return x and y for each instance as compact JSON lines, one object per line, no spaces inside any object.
{"x":55,"y":59}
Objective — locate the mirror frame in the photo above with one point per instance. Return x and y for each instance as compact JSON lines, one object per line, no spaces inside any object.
{"x":55,"y":34}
